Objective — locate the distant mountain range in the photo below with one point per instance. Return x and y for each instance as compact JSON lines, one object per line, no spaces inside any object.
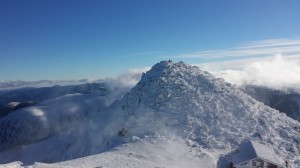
{"x":286,"y":101}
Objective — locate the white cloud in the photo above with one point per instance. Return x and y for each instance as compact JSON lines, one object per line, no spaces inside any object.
{"x":275,"y":72}
{"x":272,"y":43}
{"x":264,"y":48}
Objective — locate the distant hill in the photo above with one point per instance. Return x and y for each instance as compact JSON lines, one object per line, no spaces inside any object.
{"x":286,"y":101}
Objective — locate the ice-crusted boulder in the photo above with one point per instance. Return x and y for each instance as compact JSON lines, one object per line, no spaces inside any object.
{"x":179,"y":99}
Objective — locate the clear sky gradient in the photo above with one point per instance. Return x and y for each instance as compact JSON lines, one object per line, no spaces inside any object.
{"x":76,"y":39}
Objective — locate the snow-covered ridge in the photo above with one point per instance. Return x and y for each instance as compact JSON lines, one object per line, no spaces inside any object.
{"x":56,"y":109}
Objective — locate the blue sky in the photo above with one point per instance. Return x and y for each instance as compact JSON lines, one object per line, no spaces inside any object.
{"x":75,"y":39}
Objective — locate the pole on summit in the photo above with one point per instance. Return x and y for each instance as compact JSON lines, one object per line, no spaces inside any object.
{"x":286,"y":164}
{"x":230,"y":164}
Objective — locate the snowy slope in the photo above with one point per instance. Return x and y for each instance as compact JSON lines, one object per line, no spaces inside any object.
{"x":175,"y":101}
{"x":148,"y":152}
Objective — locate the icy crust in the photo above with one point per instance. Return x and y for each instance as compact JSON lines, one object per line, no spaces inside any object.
{"x":175,"y":98}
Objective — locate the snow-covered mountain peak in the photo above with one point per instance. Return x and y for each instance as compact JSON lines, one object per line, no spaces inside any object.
{"x":176,"y":98}
{"x":167,"y":80}
{"x":167,"y":70}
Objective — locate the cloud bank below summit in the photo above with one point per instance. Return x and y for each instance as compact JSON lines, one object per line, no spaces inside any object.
{"x":276,"y":72}
{"x":126,"y":79}
{"x":273,"y":63}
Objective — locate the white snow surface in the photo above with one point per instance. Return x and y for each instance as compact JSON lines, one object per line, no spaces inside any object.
{"x":147,"y":153}
{"x":11,"y":165}
{"x":190,"y":108}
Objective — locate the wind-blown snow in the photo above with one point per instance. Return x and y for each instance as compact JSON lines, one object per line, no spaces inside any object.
{"x":38,"y":122}
{"x":128,"y":79}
